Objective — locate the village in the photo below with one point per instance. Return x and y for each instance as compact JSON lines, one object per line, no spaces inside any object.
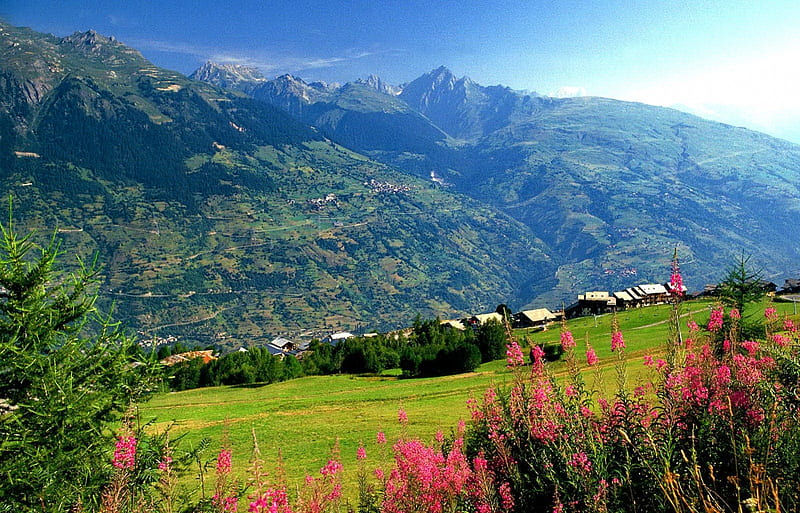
{"x":589,"y":303}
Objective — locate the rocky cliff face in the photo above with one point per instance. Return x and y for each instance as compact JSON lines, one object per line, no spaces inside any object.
{"x":229,"y":76}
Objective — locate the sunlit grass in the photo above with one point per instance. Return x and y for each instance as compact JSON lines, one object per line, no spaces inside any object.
{"x":304,"y":418}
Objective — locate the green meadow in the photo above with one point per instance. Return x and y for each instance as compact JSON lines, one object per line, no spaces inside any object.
{"x":303,"y":419}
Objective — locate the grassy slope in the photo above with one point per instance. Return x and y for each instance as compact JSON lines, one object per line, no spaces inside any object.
{"x":305,"y":417}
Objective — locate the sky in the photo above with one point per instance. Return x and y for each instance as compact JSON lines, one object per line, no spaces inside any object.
{"x":734,"y":61}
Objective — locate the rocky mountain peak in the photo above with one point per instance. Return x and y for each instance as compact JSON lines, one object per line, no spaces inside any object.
{"x":97,"y":46}
{"x":374,"y":82}
{"x":229,"y":76}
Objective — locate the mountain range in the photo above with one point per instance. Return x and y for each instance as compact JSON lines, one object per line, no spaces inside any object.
{"x":611,"y":187}
{"x":228,"y":208}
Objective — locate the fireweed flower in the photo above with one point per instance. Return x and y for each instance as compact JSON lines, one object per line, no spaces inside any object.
{"x":361,"y":453}
{"x":272,"y":501}
{"x":770,"y":313}
{"x":567,"y":341}
{"x":402,"y":417}
{"x":164,"y":464}
{"x":580,"y":462}
{"x":380,"y":438}
{"x":734,"y":314}
{"x":617,"y":342}
{"x":715,"y":321}
{"x":331,"y":468}
{"x":514,"y":355}
{"x":675,"y":279}
{"x":750,"y":346}
{"x":224,"y":462}
{"x":125,"y":453}
{"x":227,"y":504}
{"x":591,"y":357}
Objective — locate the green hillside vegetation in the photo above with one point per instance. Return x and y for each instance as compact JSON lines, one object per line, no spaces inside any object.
{"x":222,"y":220}
{"x":611,"y":187}
{"x":304,"y":418}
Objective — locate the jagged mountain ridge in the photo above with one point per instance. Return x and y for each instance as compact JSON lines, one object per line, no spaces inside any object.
{"x":222,"y":219}
{"x":612,"y":187}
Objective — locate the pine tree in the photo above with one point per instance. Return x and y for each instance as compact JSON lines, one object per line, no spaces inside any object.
{"x":65,"y":375}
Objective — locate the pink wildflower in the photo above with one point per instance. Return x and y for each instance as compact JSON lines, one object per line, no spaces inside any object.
{"x":125,"y":453}
{"x":361,"y":453}
{"x":675,"y":279}
{"x":567,"y":340}
{"x":750,"y":346}
{"x":734,"y":314}
{"x":224,"y":462}
{"x":537,"y":353}
{"x":591,"y":357}
{"x":580,"y":462}
{"x":693,"y":326}
{"x":227,"y":504}
{"x":514,"y":355}
{"x":331,"y":468}
{"x":380,"y":437}
{"x":780,"y":340}
{"x":770,"y":313}
{"x":271,"y":501}
{"x":617,"y":342}
{"x":715,"y":321}
{"x":788,"y":325}
{"x":164,"y":464}
{"x":402,"y":417}
{"x":506,"y":496}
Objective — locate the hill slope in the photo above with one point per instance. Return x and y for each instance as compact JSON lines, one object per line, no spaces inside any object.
{"x":221,"y":218}
{"x":611,"y":187}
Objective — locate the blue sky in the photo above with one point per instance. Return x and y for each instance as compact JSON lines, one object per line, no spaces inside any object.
{"x":734,"y":60}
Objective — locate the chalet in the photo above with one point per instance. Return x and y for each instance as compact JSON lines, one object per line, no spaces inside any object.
{"x":453,"y":324}
{"x":283,"y":345}
{"x":767,"y":286}
{"x":592,"y":303}
{"x":481,"y":319}
{"x":625,"y":300}
{"x":335,"y":338}
{"x":654,"y":293}
{"x":537,"y":318}
{"x":791,"y":286}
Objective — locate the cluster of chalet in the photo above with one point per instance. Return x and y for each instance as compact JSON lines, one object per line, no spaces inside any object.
{"x":600,"y":302}
{"x":280,"y":346}
{"x":538,"y":318}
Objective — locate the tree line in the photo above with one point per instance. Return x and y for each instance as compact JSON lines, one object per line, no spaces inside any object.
{"x":430,"y":348}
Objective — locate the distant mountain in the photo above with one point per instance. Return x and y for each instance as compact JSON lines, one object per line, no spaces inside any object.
{"x":230,"y":76}
{"x":612,"y":187}
{"x":374,"y":82}
{"x":464,"y":109}
{"x":220,"y":218}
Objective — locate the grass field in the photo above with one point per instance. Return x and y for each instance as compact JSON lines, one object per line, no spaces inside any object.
{"x":305,"y":417}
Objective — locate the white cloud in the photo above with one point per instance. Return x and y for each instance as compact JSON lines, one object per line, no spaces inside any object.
{"x":568,"y":92}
